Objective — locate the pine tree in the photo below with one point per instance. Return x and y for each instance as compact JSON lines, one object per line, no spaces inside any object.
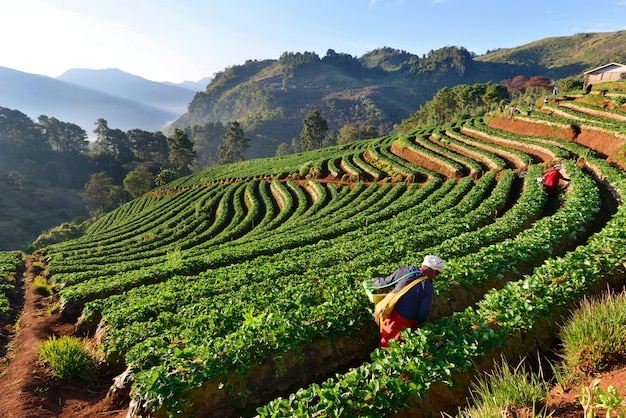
{"x":234,"y":144}
{"x":314,"y":131}
{"x":181,"y":152}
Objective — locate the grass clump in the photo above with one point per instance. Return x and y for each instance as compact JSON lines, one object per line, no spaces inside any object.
{"x":42,"y":286}
{"x":593,"y":338}
{"x":508,"y":391}
{"x":66,"y":357}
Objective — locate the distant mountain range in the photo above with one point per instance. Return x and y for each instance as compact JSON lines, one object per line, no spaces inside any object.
{"x":82,"y":96}
{"x":271,"y":97}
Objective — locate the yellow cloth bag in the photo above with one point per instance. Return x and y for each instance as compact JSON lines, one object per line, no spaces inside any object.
{"x":383,"y":309}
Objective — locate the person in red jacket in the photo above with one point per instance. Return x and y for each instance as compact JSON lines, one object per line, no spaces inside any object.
{"x":551,"y":179}
{"x":412,"y":308}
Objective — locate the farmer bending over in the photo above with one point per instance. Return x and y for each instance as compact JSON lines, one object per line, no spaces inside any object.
{"x":551,"y":179}
{"x":412,"y":308}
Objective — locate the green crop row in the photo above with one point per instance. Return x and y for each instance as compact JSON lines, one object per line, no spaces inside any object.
{"x":368,"y":169}
{"x":301,"y":284}
{"x":148,"y":218}
{"x":490,"y":160}
{"x":262,"y":333}
{"x":9,"y":262}
{"x":452,"y":345}
{"x":452,"y":166}
{"x":89,"y":285}
{"x":577,"y":116}
{"x":518,"y":158}
{"x":504,"y":251}
{"x":587,"y":121}
{"x":472,"y":165}
{"x":525,"y":142}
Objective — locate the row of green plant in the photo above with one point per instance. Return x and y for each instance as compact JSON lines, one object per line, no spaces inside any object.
{"x":397,"y":171}
{"x":518,"y":158}
{"x":164,"y":359}
{"x":374,"y":173}
{"x":553,"y":151}
{"x":288,"y":243}
{"x":196,"y":222}
{"x":577,"y":116}
{"x":451,"y":345}
{"x":9,"y":263}
{"x":362,"y":202}
{"x":591,"y":122}
{"x":372,"y":210}
{"x":373,"y":260}
{"x":601,"y":104}
{"x":490,"y":160}
{"x":450,"y":165}
{"x":143,"y":215}
{"x":307,"y":252}
{"x":414,"y":172}
{"x":289,"y":335}
{"x":472,"y":167}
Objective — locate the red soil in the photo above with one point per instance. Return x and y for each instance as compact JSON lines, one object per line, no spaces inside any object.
{"x":27,"y":388}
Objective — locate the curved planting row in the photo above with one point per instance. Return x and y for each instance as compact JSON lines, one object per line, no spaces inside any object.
{"x":517,"y":158}
{"x":360,"y":202}
{"x":472,"y":167}
{"x":514,"y":320}
{"x":273,"y":297}
{"x":447,"y":165}
{"x":500,"y":261}
{"x":488,"y":159}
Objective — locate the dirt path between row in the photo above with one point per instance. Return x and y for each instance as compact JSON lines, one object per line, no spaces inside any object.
{"x":27,"y":390}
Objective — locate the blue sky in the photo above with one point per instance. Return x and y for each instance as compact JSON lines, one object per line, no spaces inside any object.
{"x":178,"y":40}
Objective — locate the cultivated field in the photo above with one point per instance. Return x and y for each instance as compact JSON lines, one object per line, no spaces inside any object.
{"x":238,"y":291}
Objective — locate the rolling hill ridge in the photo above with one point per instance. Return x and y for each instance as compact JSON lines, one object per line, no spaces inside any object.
{"x":270,"y":98}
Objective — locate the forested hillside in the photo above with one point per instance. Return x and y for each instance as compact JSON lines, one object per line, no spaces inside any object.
{"x":379,"y":89}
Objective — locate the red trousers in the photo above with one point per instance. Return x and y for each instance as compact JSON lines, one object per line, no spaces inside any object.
{"x":392,"y":327}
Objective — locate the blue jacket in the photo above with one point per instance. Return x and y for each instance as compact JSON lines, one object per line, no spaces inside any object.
{"x":415,"y":305}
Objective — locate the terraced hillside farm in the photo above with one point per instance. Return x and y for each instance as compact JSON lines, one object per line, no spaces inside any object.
{"x":238,"y":291}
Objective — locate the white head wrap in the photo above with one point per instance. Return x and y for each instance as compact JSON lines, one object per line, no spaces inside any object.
{"x":433,"y":262}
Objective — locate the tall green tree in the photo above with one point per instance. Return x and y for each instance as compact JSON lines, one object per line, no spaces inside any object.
{"x":19,"y":132}
{"x":349,"y":133}
{"x":283,"y":149}
{"x":206,"y":140}
{"x":181,"y":152}
{"x":460,"y":101}
{"x":314,"y":131}
{"x":112,"y":141}
{"x":234,"y":144}
{"x":148,"y":146}
{"x":100,"y":194}
{"x":494,"y":94}
{"x":63,"y":136}
{"x":166,"y":175}
{"x":138,"y":182}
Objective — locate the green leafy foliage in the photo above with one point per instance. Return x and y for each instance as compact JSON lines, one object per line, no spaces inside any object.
{"x":203,"y":281}
{"x":9,"y":263}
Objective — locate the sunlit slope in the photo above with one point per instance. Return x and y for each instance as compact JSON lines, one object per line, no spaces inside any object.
{"x":243,"y":282}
